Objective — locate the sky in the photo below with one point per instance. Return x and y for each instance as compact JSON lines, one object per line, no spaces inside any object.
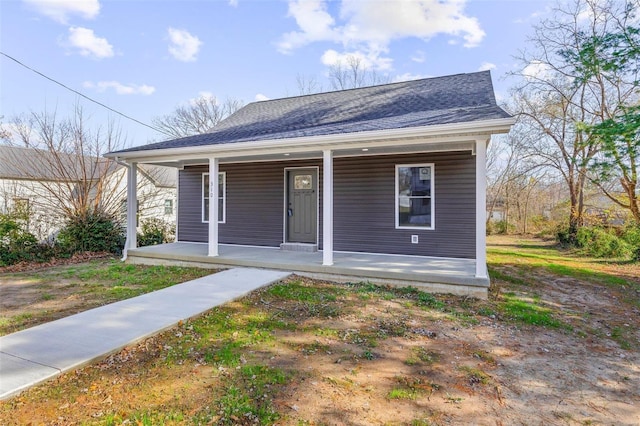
{"x":143,"y":58}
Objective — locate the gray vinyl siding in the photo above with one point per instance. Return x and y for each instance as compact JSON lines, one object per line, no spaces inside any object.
{"x":364,"y":205}
{"x":190,"y":226}
{"x":364,"y":200}
{"x":255,"y":204}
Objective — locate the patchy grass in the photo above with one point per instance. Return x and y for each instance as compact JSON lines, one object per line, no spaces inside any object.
{"x":400,"y":393}
{"x":59,"y":291}
{"x":528,"y":311}
{"x":247,"y":396}
{"x":411,"y":388}
{"x":529,"y":256}
{"x":303,"y":352}
{"x":475,"y":375}
{"x":422,"y":355}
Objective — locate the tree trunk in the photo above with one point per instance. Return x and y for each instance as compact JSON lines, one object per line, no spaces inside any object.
{"x":634,"y":206}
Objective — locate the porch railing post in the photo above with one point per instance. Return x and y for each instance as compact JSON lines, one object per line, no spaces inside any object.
{"x":327,"y":208}
{"x":213,"y":206}
{"x":481,"y":208}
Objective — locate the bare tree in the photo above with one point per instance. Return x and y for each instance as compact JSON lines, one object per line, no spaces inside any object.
{"x":307,"y":85}
{"x":55,"y":166}
{"x":199,"y":116}
{"x":552,"y":103}
{"x":66,"y":172}
{"x":611,"y":58}
{"x":4,"y":133}
{"x":352,"y":73}
{"x":513,"y":180}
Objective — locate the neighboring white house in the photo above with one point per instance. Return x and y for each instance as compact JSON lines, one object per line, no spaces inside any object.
{"x":35,"y":187}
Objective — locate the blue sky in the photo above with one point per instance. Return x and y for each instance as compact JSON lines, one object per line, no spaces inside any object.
{"x":145,"y":57}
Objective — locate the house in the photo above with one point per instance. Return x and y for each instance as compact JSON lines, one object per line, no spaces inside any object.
{"x":385,"y":183}
{"x":30,"y":180}
{"x":156,"y":192}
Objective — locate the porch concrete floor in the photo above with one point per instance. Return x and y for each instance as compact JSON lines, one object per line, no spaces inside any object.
{"x":431,"y":273}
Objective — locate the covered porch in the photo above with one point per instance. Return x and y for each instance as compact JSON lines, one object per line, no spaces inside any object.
{"x":397,"y":168}
{"x":433,"y":274}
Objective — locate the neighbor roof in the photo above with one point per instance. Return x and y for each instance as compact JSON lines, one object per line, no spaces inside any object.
{"x":166,"y":177}
{"x":38,"y":164}
{"x":426,"y":102}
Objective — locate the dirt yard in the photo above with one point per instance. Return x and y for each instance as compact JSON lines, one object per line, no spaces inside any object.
{"x":558,"y":343}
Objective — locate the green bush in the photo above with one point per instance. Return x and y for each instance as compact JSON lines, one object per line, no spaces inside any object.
{"x":631,"y":234}
{"x":16,"y":244}
{"x":155,"y":231}
{"x":503,"y":227}
{"x":599,"y":242}
{"x":93,"y":232}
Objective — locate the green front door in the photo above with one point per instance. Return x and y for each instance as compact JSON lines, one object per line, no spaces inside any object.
{"x":302,"y":206}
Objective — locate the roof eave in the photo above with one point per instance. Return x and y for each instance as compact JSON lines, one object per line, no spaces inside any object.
{"x":486,"y":127}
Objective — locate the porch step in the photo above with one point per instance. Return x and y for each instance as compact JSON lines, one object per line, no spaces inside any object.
{"x":309,"y":248}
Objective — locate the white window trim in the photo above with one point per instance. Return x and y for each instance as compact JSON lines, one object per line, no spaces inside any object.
{"x":433,"y":197}
{"x":223,"y":196}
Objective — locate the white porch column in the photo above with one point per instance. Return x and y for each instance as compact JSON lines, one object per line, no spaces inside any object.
{"x":213,"y":206}
{"x":132,"y":207}
{"x":327,"y":207}
{"x":481,"y":208}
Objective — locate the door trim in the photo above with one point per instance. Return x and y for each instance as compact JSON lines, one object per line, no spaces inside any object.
{"x":285,"y":195}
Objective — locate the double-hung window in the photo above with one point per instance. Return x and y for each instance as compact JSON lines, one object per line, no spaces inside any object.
{"x":222,"y":197}
{"x":168,"y":207}
{"x":414,"y":196}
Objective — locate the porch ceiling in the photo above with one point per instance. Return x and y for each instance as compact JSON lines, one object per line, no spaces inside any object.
{"x":294,"y":153}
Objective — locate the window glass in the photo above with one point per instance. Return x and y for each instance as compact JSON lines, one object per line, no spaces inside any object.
{"x":414,"y":196}
{"x":168,"y":207}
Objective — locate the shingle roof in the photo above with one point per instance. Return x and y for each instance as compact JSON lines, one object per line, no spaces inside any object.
{"x":32,"y":164}
{"x":431,"y":101}
{"x":166,"y":177}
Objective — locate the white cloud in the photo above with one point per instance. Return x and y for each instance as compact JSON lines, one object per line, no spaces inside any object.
{"x":233,"y":3}
{"x":183,"y":45}
{"x":261,"y":97}
{"x":536,"y":70}
{"x":408,"y":77}
{"x":88,"y":44}
{"x":367,"y":60}
{"x":419,"y":57}
{"x":587,"y":14}
{"x":314,"y":21}
{"x":486,"y":66}
{"x":61,"y":10}
{"x":120,"y":89}
{"x":204,"y":95}
{"x":371,"y":28}
{"x":535,"y":16}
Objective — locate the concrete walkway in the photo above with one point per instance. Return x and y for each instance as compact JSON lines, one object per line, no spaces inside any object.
{"x":32,"y":356}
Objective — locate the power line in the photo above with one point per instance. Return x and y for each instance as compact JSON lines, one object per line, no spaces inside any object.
{"x":83,"y":95}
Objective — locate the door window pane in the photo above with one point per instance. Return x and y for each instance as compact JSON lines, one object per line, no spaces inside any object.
{"x":303,"y":182}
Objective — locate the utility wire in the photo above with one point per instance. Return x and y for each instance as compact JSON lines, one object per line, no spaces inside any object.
{"x":83,"y":95}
